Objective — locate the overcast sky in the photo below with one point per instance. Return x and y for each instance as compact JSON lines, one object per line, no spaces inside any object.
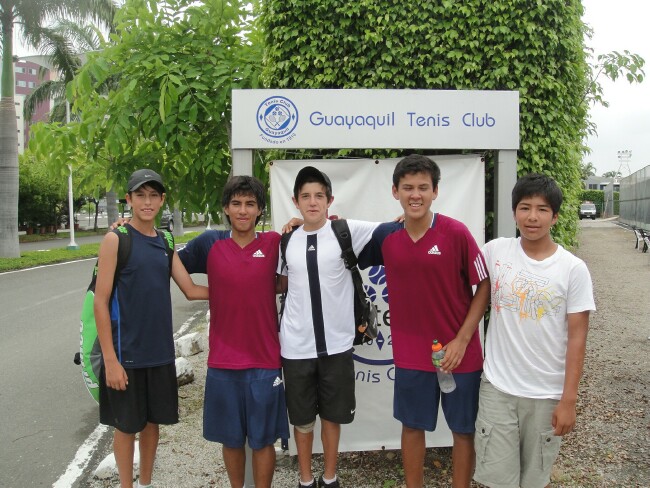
{"x":625,"y":124}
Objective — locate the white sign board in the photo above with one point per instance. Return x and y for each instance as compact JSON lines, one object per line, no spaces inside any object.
{"x":362,"y":190}
{"x":382,"y":119}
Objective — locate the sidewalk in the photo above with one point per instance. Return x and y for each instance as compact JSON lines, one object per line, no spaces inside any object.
{"x":614,"y":397}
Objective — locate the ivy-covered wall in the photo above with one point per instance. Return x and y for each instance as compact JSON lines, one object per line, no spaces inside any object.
{"x":535,"y":47}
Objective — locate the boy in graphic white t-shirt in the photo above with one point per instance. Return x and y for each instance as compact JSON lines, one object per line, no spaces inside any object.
{"x":535,"y":344}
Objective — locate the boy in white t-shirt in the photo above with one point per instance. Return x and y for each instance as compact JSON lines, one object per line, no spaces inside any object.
{"x":317,"y":327}
{"x":535,"y":344}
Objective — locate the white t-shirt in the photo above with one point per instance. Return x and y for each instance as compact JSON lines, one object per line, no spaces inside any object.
{"x":318,"y":314}
{"x":525,"y":347}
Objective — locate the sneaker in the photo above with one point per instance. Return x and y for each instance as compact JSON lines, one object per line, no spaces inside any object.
{"x":313,"y":485}
{"x":333,"y":484}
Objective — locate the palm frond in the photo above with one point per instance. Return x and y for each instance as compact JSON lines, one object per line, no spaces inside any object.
{"x":48,"y":90}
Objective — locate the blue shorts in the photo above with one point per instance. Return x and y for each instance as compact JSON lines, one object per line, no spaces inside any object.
{"x":417,"y":395}
{"x":246,"y":403}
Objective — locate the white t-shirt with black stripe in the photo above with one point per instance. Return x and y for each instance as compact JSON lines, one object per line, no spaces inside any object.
{"x":318,"y":317}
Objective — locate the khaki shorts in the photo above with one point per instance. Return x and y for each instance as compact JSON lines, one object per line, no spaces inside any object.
{"x":514,"y":441}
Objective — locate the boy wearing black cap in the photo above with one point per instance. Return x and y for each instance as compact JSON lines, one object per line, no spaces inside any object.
{"x":317,"y":327}
{"x":138,"y":387}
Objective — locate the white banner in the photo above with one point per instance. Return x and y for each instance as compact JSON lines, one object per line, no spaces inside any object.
{"x":359,"y":118}
{"x":362,"y":190}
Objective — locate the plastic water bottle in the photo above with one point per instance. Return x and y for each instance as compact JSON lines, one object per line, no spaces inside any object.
{"x":446,"y":379}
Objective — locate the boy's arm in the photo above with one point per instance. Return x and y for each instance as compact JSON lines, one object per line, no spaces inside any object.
{"x":115,"y":375}
{"x":184,"y":281}
{"x":564,"y":415}
{"x":281,"y":283}
{"x":455,"y":349}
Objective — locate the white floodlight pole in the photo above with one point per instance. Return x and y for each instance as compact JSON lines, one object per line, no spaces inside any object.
{"x":72,"y":245}
{"x":624,"y":158}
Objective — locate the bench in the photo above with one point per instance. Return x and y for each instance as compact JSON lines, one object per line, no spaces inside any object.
{"x":642,"y":239}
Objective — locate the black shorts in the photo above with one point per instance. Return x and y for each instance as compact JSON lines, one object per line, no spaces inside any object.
{"x":323,"y":386}
{"x":150,"y":397}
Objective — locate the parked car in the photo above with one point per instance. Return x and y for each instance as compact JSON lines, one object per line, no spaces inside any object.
{"x":587,"y":210}
{"x":167,"y":220}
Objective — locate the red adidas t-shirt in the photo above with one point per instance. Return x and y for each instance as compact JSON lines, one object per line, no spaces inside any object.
{"x":243,"y":312}
{"x":429,"y":289}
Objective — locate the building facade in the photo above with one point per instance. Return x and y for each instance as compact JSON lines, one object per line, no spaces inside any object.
{"x":27,"y":77}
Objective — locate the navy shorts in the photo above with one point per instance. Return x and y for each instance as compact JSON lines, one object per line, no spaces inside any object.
{"x":150,"y":397}
{"x":417,"y":395}
{"x":321,"y":386}
{"x":244,"y":403}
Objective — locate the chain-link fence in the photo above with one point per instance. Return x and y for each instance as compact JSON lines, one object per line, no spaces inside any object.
{"x":635,"y":199}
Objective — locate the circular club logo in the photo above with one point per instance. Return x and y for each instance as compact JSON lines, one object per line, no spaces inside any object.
{"x":277,"y":117}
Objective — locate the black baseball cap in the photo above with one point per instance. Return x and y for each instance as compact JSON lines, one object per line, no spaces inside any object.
{"x":310,"y":173}
{"x":142,"y":176}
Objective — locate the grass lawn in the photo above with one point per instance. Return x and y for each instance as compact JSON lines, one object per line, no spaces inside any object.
{"x":60,"y":235}
{"x":31,"y":259}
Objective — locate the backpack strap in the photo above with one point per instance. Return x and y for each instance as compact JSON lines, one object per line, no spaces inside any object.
{"x":284,"y":242}
{"x":342,"y":232}
{"x":123,"y":250}
{"x":168,"y":239}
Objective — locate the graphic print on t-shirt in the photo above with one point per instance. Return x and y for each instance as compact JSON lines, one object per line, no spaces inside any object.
{"x":526,"y":293}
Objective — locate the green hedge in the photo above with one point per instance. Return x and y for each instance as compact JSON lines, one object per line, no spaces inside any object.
{"x":536,"y":48}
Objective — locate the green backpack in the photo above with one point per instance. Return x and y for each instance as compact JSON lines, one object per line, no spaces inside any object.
{"x":90,"y":352}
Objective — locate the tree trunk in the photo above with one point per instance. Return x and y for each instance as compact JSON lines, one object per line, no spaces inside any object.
{"x":95,"y":227}
{"x":8,"y":151}
{"x":178,"y":222}
{"x":111,"y":206}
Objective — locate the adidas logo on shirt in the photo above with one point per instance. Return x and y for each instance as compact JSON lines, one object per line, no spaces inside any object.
{"x":258,"y":254}
{"x":311,"y":248}
{"x":434,"y":250}
{"x":277,"y":381}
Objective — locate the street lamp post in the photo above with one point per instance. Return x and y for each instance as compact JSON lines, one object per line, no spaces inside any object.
{"x":72,"y":245}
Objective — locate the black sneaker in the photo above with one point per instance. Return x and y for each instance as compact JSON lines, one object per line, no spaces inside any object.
{"x":313,"y":485}
{"x":333,"y":484}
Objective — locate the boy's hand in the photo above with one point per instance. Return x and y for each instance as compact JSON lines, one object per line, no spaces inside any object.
{"x":116,"y":377}
{"x":564,"y":417}
{"x":454,"y":353}
{"x":294,"y":222}
{"x":120,"y":221}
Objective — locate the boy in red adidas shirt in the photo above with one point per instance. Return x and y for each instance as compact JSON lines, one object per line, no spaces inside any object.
{"x":431,"y":262}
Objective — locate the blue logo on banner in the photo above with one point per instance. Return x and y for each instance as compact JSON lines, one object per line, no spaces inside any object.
{"x":277,"y":117}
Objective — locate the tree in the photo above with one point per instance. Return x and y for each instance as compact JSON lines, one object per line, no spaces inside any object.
{"x":41,"y":199}
{"x":613,"y":66}
{"x":63,"y":44}
{"x":587,"y":170}
{"x":32,"y":16}
{"x":612,"y":174}
{"x":175,"y":63}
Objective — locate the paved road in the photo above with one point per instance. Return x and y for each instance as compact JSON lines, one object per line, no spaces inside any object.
{"x":47,"y":412}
